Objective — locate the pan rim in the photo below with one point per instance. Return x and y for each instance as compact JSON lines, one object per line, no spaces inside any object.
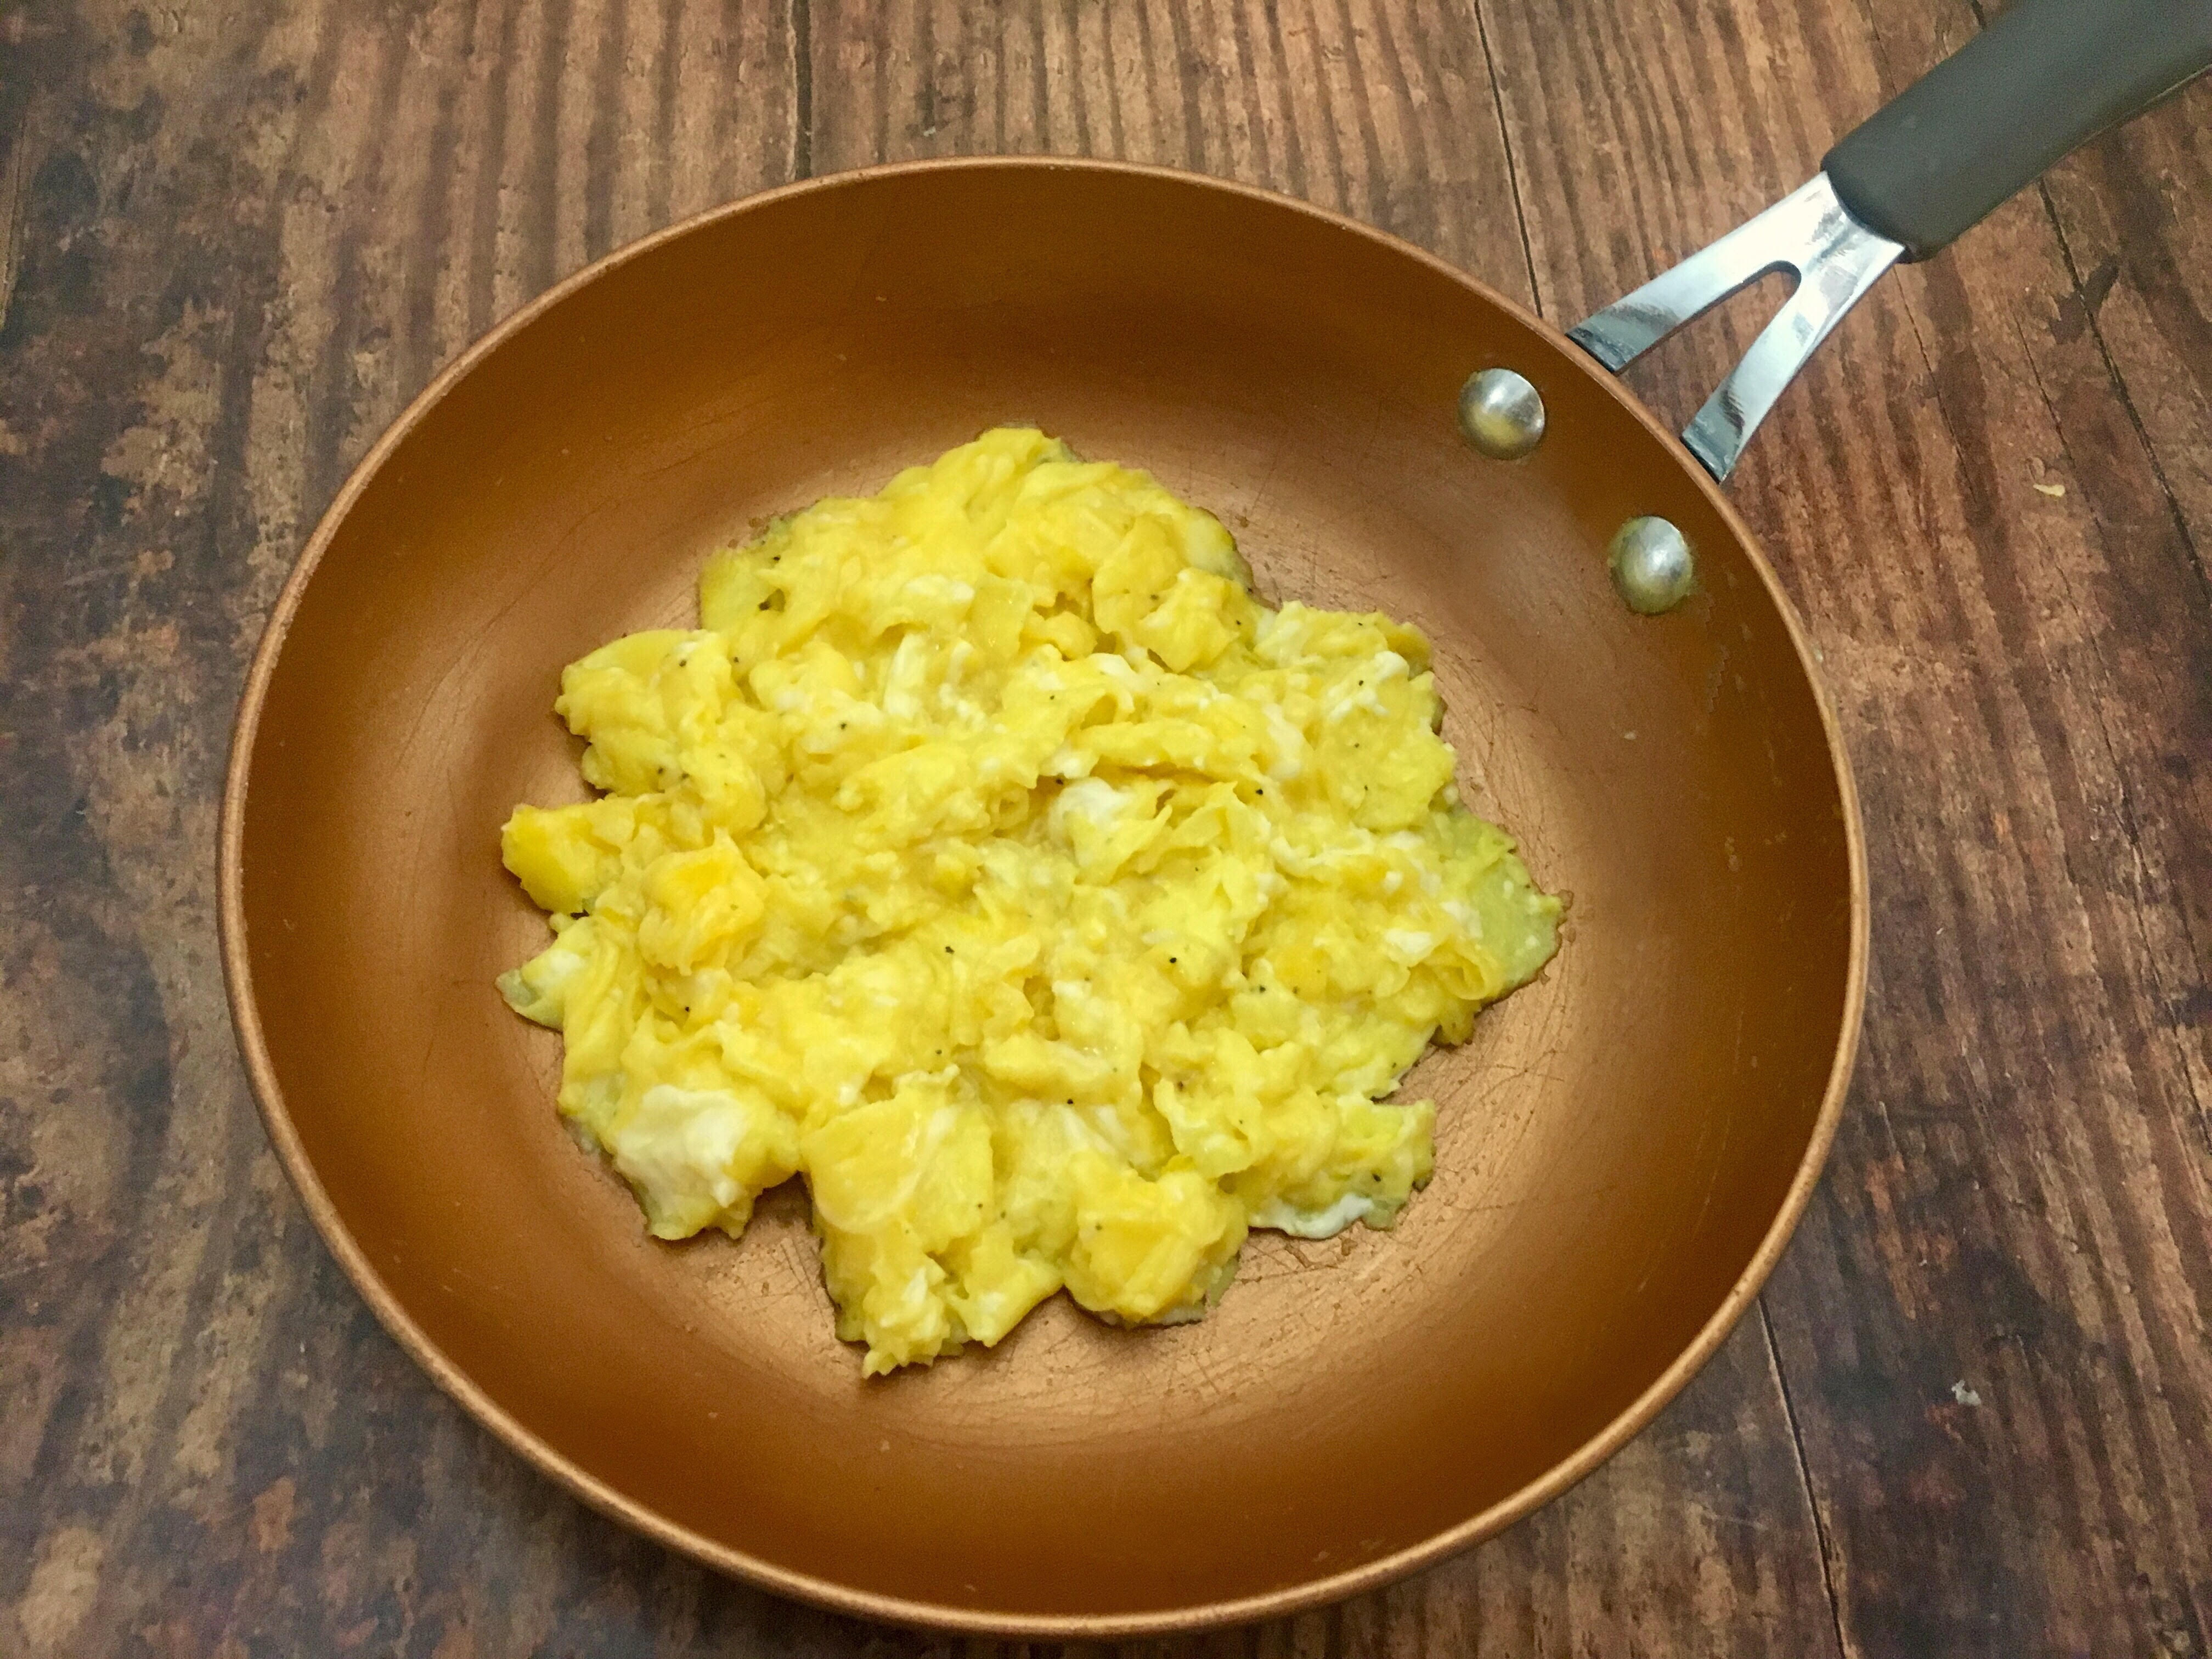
{"x":460,"y":1387}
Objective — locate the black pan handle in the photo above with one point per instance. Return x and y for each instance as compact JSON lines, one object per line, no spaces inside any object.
{"x":2045,"y":77}
{"x":2040,"y":81}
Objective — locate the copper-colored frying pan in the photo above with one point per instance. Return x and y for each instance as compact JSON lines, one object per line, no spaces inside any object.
{"x":1623,"y":1146}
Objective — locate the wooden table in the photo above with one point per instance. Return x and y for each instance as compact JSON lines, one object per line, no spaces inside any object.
{"x":1974,"y":1414}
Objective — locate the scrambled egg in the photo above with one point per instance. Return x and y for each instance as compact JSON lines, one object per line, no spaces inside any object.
{"x":993,"y":858}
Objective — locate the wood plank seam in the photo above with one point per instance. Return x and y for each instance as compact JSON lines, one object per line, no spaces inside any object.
{"x":1512,"y":162}
{"x":1804,"y":1475}
{"x":801,"y":27}
{"x":2120,"y":390}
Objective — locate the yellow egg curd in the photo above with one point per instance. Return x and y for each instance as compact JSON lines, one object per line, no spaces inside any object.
{"x":994,"y":859}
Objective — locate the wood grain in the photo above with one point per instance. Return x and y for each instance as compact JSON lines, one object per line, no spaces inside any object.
{"x":236,"y":234}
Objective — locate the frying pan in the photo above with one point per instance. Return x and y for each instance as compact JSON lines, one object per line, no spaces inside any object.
{"x":1624,"y":1146}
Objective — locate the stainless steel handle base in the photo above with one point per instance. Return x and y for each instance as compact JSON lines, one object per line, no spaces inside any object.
{"x":1808,"y":233}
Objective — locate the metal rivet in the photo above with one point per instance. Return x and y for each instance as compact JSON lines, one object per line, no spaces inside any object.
{"x":1651,"y":565}
{"x":1501,"y":413}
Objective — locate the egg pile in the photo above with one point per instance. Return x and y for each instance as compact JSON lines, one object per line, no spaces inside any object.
{"x":994,"y":859}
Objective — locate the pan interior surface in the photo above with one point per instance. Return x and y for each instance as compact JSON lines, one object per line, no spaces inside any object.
{"x":1616,"y":1144}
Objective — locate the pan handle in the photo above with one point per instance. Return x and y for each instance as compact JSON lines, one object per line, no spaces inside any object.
{"x":2042,"y":80}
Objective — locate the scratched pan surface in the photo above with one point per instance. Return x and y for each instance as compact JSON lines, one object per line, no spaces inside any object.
{"x":1623,"y":1146}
